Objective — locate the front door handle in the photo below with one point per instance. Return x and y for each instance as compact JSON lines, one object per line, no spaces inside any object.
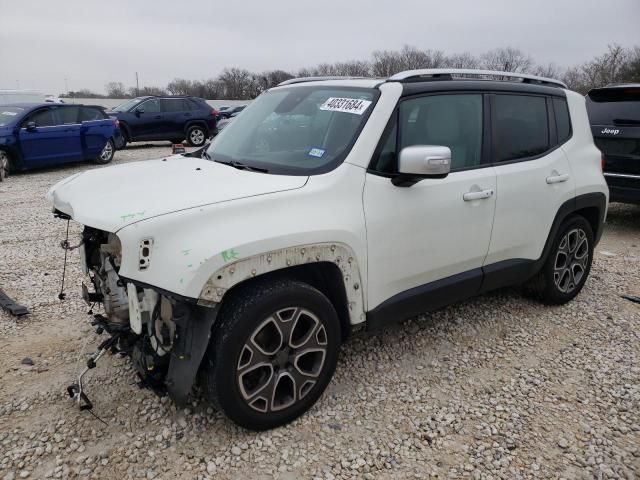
{"x":557,"y":178}
{"x":480,"y":195}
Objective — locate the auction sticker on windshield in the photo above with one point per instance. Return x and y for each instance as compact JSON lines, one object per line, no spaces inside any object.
{"x":346,"y":105}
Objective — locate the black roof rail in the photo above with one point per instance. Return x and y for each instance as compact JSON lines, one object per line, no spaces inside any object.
{"x":451,"y":73}
{"x":293,"y":81}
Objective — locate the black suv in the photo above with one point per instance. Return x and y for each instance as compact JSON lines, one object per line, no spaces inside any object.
{"x":172,"y":118}
{"x":614,"y":114}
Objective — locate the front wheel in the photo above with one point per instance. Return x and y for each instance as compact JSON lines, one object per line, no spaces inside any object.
{"x":107,"y":153}
{"x":196,"y":136}
{"x":273,"y":353}
{"x":4,"y":165}
{"x":568,"y":265}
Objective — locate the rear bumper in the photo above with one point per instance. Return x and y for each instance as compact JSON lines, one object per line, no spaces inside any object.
{"x":623,"y":187}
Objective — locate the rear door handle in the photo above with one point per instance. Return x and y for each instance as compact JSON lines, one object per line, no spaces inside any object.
{"x":481,"y":195}
{"x":557,"y":178}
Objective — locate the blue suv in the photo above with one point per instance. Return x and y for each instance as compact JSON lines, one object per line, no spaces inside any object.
{"x":43,"y":134}
{"x":172,"y":118}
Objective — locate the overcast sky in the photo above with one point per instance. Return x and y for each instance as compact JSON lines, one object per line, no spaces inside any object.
{"x":91,"y":43}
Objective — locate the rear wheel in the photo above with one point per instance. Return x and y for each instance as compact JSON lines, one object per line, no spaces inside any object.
{"x":273,"y":353}
{"x":4,"y":165}
{"x":196,"y":136}
{"x":107,"y":153}
{"x":568,"y":265}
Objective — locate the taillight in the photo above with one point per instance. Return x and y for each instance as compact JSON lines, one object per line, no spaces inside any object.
{"x":117,"y":123}
{"x":214,"y":113}
{"x":602,"y":161}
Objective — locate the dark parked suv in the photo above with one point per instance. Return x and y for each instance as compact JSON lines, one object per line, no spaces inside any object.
{"x":172,"y":118}
{"x":614,"y":113}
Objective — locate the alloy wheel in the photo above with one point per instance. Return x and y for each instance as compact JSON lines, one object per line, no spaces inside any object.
{"x":572,"y":259}
{"x":196,"y":137}
{"x":4,"y":165}
{"x":107,"y":151}
{"x":282,"y":359}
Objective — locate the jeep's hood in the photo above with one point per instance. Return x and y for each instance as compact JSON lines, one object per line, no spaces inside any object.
{"x":114,"y":197}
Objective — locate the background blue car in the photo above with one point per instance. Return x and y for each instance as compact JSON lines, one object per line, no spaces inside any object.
{"x":39,"y":135}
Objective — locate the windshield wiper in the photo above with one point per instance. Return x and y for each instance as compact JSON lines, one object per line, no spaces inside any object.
{"x":625,"y":121}
{"x":242,"y":166}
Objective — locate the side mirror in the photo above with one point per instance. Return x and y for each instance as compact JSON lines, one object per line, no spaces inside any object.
{"x":422,"y":161}
{"x":31,"y":126}
{"x":139,"y":110}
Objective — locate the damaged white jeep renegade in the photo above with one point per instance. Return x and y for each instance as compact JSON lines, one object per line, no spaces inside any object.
{"x":331,"y":204}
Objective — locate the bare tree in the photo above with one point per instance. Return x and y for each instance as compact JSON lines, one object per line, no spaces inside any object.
{"x":179,"y":86}
{"x":115,"y":90}
{"x":385,"y":63}
{"x":550,"y":70}
{"x":237,"y":83}
{"x":462,"y":60}
{"x":507,"y":60}
{"x":630,"y":72}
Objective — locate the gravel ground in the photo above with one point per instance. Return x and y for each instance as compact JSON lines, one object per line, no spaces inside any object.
{"x":497,"y":387}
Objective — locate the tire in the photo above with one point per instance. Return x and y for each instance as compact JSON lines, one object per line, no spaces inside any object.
{"x":107,"y":153}
{"x":196,"y":136}
{"x":4,"y":165}
{"x":256,"y":378}
{"x":568,"y":264}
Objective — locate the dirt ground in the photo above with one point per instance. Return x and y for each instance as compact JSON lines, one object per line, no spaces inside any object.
{"x":497,"y":387}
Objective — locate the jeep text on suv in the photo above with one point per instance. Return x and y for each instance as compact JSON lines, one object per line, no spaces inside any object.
{"x":614,"y":112}
{"x":330,"y":205}
{"x":172,"y":118}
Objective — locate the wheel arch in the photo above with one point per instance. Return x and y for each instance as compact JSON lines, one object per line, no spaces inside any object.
{"x":591,"y":206}
{"x":126,"y":130}
{"x":332,"y":268}
{"x":196,"y":123}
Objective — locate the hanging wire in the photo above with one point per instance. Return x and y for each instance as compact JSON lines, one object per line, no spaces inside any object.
{"x":65,"y":245}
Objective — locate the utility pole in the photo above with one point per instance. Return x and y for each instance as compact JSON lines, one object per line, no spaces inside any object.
{"x":137,"y":86}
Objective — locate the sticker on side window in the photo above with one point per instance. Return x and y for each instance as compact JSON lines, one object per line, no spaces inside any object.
{"x":346,"y":105}
{"x":316,"y":152}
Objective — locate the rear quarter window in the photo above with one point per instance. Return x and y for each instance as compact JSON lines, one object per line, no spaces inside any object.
{"x":563,"y":120}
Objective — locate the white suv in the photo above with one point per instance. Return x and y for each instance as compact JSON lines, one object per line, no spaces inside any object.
{"x":331,"y":204}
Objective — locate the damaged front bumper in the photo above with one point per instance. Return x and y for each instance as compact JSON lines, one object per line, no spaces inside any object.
{"x":165,"y":335}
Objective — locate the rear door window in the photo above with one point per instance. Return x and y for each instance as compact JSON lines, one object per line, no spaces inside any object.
{"x":88,"y":114}
{"x":172,"y":105}
{"x":519,"y":127}
{"x":67,"y":115}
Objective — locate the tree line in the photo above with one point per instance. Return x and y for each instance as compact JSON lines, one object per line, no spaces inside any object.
{"x":616,"y":65}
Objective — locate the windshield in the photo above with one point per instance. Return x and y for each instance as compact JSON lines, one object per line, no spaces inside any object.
{"x":615,"y":106}
{"x":295,"y":131}
{"x":8,"y":115}
{"x":126,"y":106}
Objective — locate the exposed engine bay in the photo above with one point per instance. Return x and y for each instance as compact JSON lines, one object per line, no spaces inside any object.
{"x":165,"y":336}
